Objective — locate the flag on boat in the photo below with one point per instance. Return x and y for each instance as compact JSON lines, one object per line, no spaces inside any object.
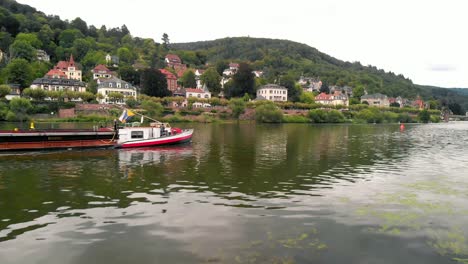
{"x":126,"y":114}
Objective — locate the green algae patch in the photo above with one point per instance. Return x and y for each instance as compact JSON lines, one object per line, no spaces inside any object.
{"x":435,"y":187}
{"x":259,"y":251}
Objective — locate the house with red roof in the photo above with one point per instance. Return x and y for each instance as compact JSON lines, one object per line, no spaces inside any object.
{"x":57,"y":74}
{"x":171,"y":80}
{"x":172,"y":60}
{"x":70,"y":68}
{"x":418,"y":103}
{"x":337,"y":98}
{"x":101,"y":71}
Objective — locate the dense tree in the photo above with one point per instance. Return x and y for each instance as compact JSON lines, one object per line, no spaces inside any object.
{"x":456,"y":108}
{"x":221,"y":66}
{"x":237,"y":106}
{"x":243,"y":82}
{"x":325,"y":88}
{"x":4,"y":90}
{"x":79,"y":24}
{"x":294,"y":92}
{"x":129,"y":74}
{"x":36,"y":94}
{"x":212,"y":80}
{"x":30,"y":38}
{"x":20,"y":72}
{"x":268,"y":112}
{"x":307,"y":97}
{"x":5,"y":40}
{"x":424,"y":116}
{"x":154,"y":83}
{"x":125,"y":55}
{"x":21,"y":49}
{"x":165,"y":39}
{"x":68,"y":36}
{"x":188,"y":79}
{"x":153,"y":109}
{"x":21,"y":107}
{"x":80,"y":48}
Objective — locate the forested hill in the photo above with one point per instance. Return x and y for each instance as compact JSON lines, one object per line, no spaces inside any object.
{"x":278,"y":57}
{"x":23,"y":30}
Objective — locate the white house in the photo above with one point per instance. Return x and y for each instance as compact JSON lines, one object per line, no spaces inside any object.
{"x":273,"y":92}
{"x":107,"y":86}
{"x":198,"y":93}
{"x":58,"y":84}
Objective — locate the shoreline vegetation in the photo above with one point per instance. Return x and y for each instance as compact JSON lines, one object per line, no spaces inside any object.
{"x":221,"y":111}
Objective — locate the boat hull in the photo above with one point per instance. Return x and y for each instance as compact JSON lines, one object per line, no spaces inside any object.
{"x":183,"y":137}
{"x":42,"y":140}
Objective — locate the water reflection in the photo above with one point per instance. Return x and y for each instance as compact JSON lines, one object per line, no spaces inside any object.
{"x":262,"y":194}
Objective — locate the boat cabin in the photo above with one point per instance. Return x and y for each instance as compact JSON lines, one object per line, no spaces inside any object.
{"x":133,"y":132}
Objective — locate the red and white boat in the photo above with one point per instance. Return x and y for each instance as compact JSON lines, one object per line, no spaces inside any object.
{"x":157,"y":134}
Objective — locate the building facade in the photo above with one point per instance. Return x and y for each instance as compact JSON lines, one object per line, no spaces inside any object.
{"x":115,"y":85}
{"x":70,"y":69}
{"x":102,"y":72}
{"x":198,"y":93}
{"x":377,"y":100}
{"x":273,"y":92}
{"x":171,"y":80}
{"x":58,"y":84}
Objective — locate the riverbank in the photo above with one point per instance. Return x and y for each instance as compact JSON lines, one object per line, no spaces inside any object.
{"x":221,"y":111}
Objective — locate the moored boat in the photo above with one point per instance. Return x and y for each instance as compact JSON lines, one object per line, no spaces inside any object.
{"x":12,"y":140}
{"x":131,"y":135}
{"x":157,"y":134}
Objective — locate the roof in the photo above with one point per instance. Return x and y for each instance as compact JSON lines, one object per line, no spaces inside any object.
{"x":272,"y":86}
{"x":101,"y":69}
{"x":192,"y":90}
{"x":112,"y":83}
{"x":56,"y":73}
{"x":173,"y":58}
{"x":63,"y":65}
{"x":374,"y":96}
{"x":323,"y":96}
{"x":168,"y":74}
{"x":57,"y":81}
{"x":233,"y":65}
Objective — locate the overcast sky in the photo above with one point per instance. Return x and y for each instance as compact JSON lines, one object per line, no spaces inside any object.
{"x":425,"y":40}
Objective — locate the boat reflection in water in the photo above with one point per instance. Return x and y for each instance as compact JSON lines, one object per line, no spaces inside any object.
{"x":141,"y":156}
{"x":131,"y":159}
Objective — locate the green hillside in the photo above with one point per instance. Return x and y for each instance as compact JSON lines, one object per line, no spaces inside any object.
{"x":25,"y":29}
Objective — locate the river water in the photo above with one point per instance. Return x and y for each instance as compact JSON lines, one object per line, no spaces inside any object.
{"x":245,"y":193}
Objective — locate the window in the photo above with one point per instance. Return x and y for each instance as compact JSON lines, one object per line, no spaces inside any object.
{"x":110,"y":85}
{"x":137,"y":134}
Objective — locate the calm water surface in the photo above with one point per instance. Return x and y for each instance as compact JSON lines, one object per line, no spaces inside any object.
{"x":244,"y":193}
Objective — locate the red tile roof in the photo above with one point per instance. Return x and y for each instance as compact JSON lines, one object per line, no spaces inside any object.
{"x":323,"y":96}
{"x":63,"y":65}
{"x":169,"y":75}
{"x":56,"y":73}
{"x":101,"y":69}
{"x":173,"y":58}
{"x":192,"y":90}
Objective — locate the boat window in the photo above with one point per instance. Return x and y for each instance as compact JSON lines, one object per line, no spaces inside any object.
{"x":137,"y":134}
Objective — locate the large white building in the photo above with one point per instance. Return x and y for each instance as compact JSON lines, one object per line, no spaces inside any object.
{"x":115,"y":85}
{"x":273,"y":92}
